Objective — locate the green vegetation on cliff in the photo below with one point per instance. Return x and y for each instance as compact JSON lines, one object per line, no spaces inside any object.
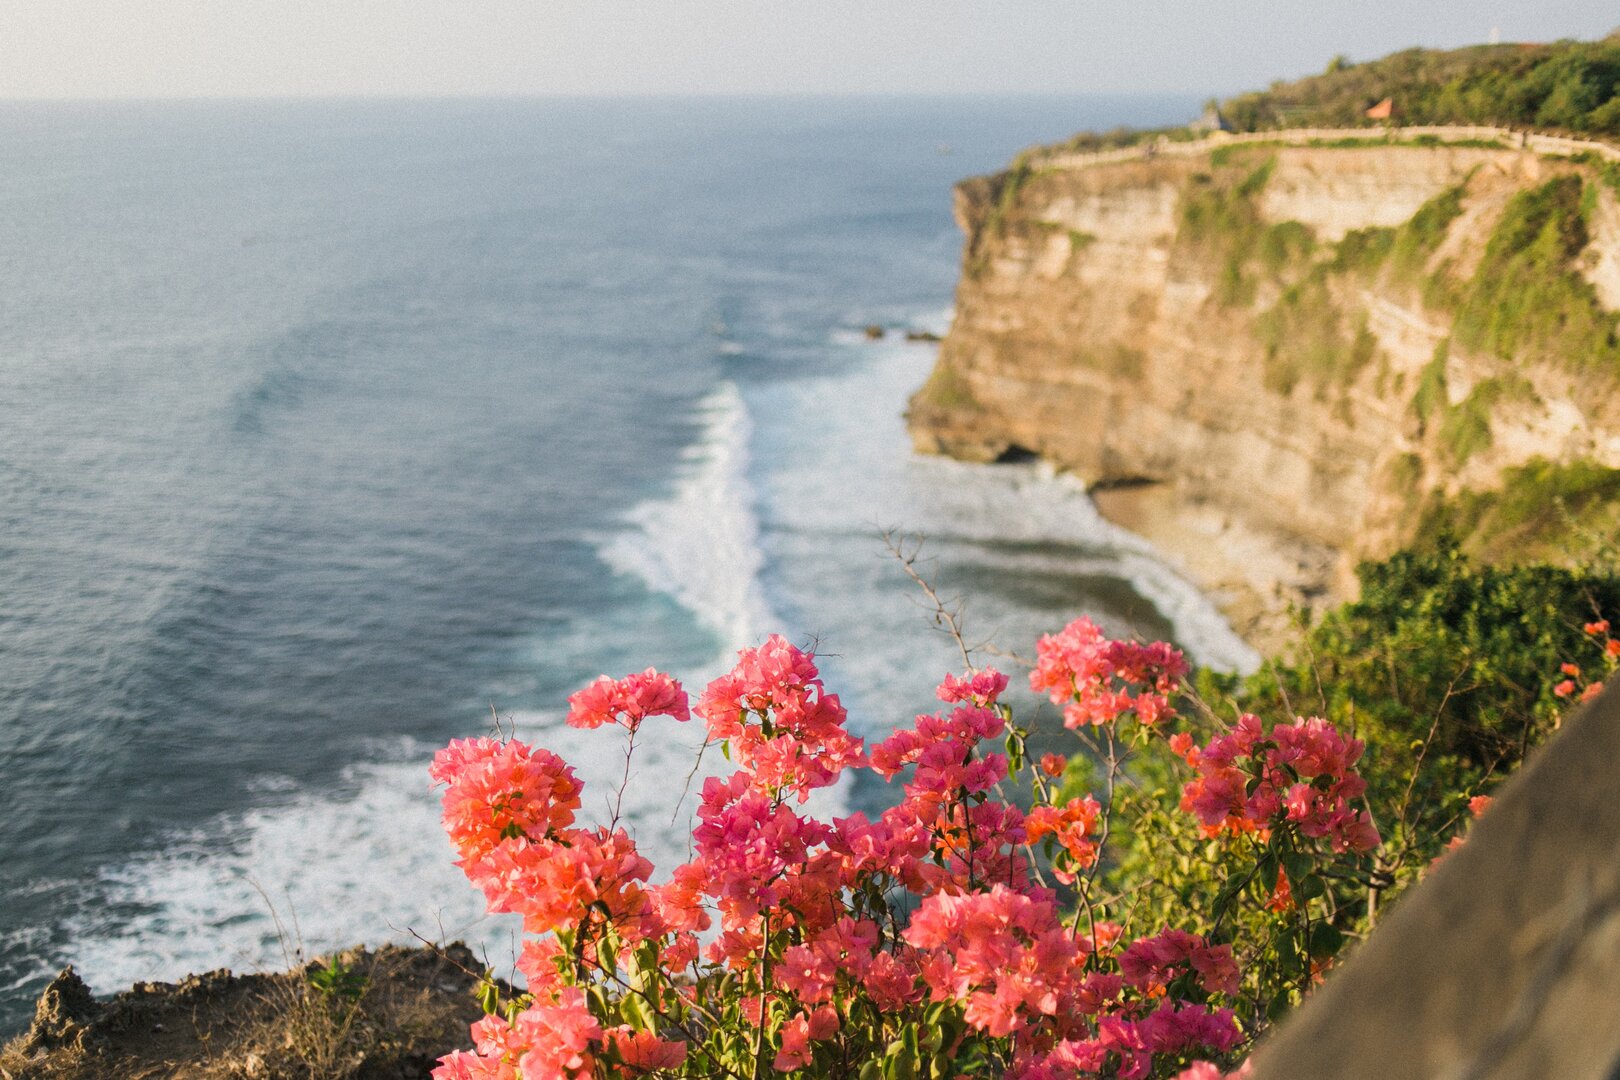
{"x":1525,"y":302}
{"x":1543,"y":509}
{"x":1446,"y":668}
{"x":1570,"y":85}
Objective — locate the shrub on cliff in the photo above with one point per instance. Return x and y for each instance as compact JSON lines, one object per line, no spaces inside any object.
{"x":1567,"y":84}
{"x":1448,"y":669}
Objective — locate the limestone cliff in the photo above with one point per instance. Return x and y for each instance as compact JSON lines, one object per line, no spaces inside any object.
{"x":1274,"y":359}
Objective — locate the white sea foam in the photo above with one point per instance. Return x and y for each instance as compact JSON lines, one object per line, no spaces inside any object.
{"x":312,"y":874}
{"x":837,"y":469}
{"x":700,"y":545}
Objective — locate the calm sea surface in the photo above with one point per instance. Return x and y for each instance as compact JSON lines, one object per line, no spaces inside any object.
{"x":328,"y":428}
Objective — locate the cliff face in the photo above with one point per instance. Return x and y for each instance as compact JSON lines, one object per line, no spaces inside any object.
{"x":1276,"y":360}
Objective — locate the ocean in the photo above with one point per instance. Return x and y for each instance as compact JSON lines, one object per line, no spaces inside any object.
{"x":333,"y":430}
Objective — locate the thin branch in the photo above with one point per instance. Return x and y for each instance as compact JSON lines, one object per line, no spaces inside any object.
{"x":946,"y":615}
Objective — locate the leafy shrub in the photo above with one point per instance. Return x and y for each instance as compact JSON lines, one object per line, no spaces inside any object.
{"x":953,"y":934}
{"x":1443,"y":667}
{"x":1567,"y":84}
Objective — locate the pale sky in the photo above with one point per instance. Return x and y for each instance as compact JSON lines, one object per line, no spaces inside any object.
{"x":236,"y":48}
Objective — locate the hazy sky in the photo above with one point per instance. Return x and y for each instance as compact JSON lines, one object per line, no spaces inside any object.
{"x":205,"y":48}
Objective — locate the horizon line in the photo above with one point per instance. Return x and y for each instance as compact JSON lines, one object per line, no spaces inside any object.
{"x":647,"y":95}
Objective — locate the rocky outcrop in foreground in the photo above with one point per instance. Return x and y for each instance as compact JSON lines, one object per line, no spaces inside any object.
{"x":387,"y":1014}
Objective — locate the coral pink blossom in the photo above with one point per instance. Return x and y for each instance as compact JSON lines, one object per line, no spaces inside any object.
{"x":1071,"y":826}
{"x":501,"y":792}
{"x":1097,"y":680}
{"x":644,"y":1051}
{"x":558,"y":1037}
{"x":627,"y":701}
{"x":1301,"y":774}
{"x":981,"y":688}
{"x":1153,"y":962}
{"x":799,"y":1032}
{"x":779,"y":722}
{"x":1003,"y":954}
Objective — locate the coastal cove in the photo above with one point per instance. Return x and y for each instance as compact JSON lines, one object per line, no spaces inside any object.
{"x":421,"y":408}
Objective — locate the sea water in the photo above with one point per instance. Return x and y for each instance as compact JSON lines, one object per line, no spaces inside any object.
{"x":330,"y":431}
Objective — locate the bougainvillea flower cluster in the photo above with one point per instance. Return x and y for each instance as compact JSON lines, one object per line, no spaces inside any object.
{"x":1250,"y":779}
{"x":1097,"y":679}
{"x":931,"y":938}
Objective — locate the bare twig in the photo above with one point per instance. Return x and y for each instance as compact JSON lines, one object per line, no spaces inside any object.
{"x":946,"y":614}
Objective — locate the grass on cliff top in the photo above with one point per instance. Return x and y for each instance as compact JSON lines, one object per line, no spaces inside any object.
{"x":1571,"y":85}
{"x":1565,"y":85}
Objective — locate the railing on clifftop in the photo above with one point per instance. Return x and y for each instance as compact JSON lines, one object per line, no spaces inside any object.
{"x":1537,"y":142}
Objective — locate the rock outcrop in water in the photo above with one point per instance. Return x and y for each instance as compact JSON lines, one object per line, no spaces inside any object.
{"x":1276,"y":358}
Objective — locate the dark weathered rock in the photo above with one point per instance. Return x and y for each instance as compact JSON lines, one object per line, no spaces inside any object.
{"x":389,"y":1014}
{"x":1506,"y":962}
{"x":63,"y":1015}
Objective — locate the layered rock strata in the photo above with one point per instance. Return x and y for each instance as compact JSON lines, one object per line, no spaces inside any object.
{"x":1272,"y":360}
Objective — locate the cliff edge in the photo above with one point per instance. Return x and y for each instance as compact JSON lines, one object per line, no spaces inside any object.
{"x":1276,"y":355}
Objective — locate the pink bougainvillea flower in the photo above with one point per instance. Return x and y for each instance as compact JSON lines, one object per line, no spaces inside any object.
{"x":1097,"y":680}
{"x":643,"y":1051}
{"x":1301,"y":774}
{"x":1072,"y":826}
{"x":627,"y":701}
{"x":779,"y":722}
{"x":981,"y":688}
{"x":500,"y":792}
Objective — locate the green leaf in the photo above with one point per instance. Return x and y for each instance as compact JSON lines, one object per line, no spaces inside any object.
{"x":1309,"y":888}
{"x":1325,"y":941}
